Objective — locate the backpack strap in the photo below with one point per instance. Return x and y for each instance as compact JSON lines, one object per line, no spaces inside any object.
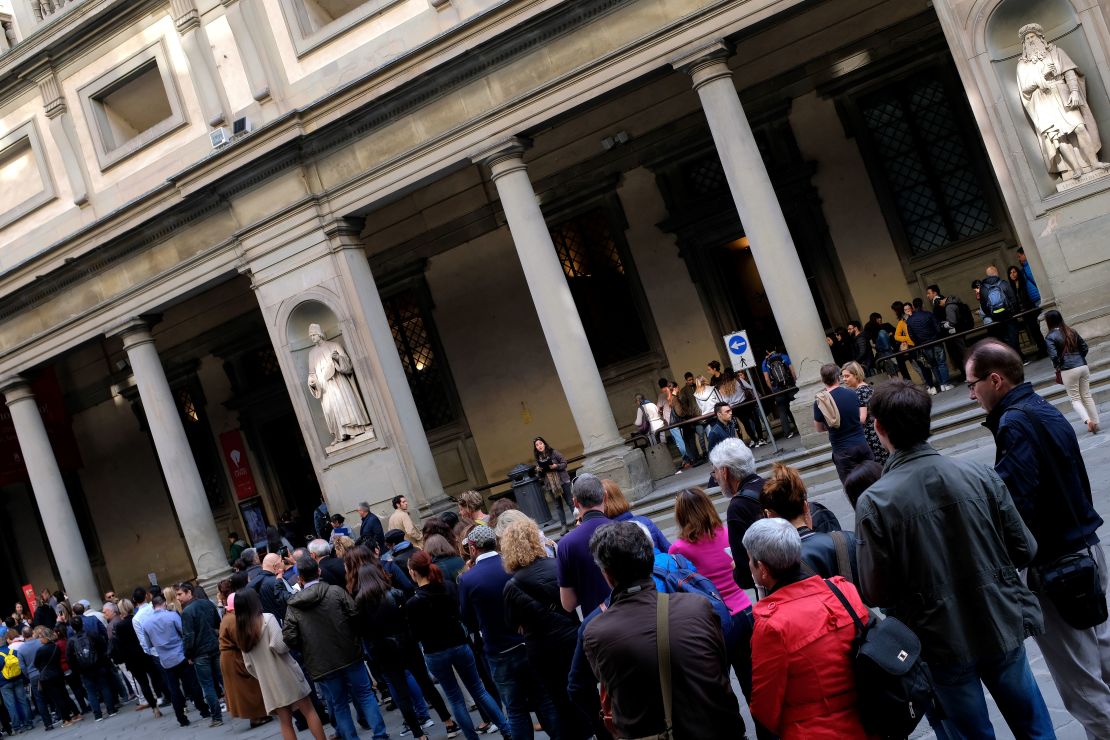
{"x":851,"y":612}
{"x":663,"y":641}
{"x":843,"y":563}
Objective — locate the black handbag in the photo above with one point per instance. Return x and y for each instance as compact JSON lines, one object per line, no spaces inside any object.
{"x":1072,"y":582}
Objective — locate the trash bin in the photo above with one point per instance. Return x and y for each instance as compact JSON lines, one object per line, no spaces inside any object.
{"x":529,"y":495}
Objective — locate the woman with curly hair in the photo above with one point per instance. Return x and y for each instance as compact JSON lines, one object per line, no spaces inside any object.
{"x":533,"y":608}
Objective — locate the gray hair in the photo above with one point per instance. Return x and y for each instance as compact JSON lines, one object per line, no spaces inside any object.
{"x":775,"y":543}
{"x":734,"y":456}
{"x":588,"y":491}
{"x":109,"y":607}
{"x":363,"y":506}
{"x":319,"y":548}
{"x":249,"y":556}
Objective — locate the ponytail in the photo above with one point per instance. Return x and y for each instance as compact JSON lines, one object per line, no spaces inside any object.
{"x":421,"y":564}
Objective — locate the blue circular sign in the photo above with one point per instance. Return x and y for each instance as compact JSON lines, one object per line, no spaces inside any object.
{"x":738,"y":345}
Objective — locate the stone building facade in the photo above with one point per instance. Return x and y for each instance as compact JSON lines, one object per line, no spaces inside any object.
{"x":510,"y":215}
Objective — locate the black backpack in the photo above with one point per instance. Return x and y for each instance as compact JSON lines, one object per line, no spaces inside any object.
{"x":964,"y":319}
{"x":84,"y":651}
{"x":778,"y":372}
{"x":894,"y":687}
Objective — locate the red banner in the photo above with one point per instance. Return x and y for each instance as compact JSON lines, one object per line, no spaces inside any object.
{"x":235,"y":457}
{"x":48,"y":394}
{"x":32,"y":602}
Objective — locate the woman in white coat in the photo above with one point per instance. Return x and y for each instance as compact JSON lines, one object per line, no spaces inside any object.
{"x":649,"y":420}
{"x":267,"y":658}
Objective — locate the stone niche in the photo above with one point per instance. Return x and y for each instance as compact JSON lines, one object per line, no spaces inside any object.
{"x":299,"y":330}
{"x":1063,"y":28}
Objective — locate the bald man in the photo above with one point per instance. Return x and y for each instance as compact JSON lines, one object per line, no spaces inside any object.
{"x":998,"y":302}
{"x":271,"y":588}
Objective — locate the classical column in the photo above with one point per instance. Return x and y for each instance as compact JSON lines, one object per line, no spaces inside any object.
{"x":174,"y":454}
{"x":562,"y":327}
{"x":780,"y":270}
{"x":355,"y":270}
{"x":62,"y":533}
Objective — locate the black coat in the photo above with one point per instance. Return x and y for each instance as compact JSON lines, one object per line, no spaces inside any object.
{"x":370,"y":532}
{"x":333,"y":572}
{"x":532,"y":606}
{"x":743,"y":511}
{"x":45,"y":615}
{"x":273,"y":593}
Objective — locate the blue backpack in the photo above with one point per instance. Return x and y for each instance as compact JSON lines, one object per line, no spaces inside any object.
{"x":685,"y":579}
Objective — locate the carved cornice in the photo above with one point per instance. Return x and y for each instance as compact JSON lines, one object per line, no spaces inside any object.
{"x":185,"y":15}
{"x":53,"y":102}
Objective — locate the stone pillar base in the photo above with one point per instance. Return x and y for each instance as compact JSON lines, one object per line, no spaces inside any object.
{"x":626,"y":466}
{"x":802,"y":408}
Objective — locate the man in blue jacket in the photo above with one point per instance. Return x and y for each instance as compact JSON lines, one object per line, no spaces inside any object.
{"x":482,"y":603}
{"x":1038,"y":458}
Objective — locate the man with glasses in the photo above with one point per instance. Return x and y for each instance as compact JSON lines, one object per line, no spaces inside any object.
{"x":1038,"y":458}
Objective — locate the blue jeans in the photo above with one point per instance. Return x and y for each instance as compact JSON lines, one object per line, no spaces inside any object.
{"x":676,"y":435}
{"x":444,"y":665}
{"x":207,"y":668}
{"x":1010,"y":681}
{"x":352,"y":682}
{"x":40,"y":703}
{"x":935,"y":358}
{"x":518,"y":684}
{"x":15,"y":700}
{"x":97,"y":687}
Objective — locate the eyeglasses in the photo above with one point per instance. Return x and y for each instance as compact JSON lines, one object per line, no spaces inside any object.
{"x":972,"y":384}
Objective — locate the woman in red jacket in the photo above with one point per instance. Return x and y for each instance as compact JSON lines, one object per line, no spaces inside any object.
{"x":802,"y":680}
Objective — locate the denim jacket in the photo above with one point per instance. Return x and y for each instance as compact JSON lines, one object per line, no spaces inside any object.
{"x":1039,"y":460}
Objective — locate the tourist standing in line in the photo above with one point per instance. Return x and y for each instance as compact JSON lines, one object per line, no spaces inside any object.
{"x":666,"y":403}
{"x":1025,"y":303}
{"x":1068,"y":351}
{"x":924,"y":330}
{"x":471,"y":508}
{"x":163,"y":629}
{"x":551,"y":464}
{"x":434,"y":618}
{"x":137,"y":662}
{"x":999,"y":304}
{"x":826,"y":554}
{"x":482,"y":605}
{"x":48,"y":663}
{"x":622,"y":647}
{"x":87,"y":655}
{"x":580,"y":580}
{"x":862,"y":354}
{"x":370,"y":531}
{"x":836,"y":410}
{"x":242,"y":693}
{"x":1038,"y":458}
{"x":703,"y":540}
{"x":734,"y":468}
{"x":266,"y":657}
{"x":940,"y":544}
{"x":649,"y":419}
{"x":319,"y":622}
{"x":853,"y":377}
{"x":618,"y":509}
{"x":803,"y":683}
{"x":736,"y":391}
{"x":200,"y":621}
{"x":707,"y":397}
{"x":15,"y":696}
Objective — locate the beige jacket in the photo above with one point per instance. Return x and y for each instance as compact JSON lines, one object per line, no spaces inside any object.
{"x":402,"y":521}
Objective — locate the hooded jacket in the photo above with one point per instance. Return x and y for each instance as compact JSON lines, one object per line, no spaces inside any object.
{"x":322,"y":622}
{"x":939,"y":544}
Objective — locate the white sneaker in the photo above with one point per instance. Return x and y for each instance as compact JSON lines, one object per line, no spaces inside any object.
{"x":944,"y":388}
{"x":931,"y":391}
{"x":428,"y":722}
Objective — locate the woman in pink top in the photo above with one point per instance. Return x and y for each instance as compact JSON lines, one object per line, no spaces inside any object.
{"x":702,"y":540}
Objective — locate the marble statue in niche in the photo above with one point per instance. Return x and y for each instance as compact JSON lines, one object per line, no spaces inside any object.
{"x":1054,"y":94}
{"x":331,"y":379}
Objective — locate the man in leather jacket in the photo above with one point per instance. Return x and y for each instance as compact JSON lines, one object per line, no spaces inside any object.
{"x":939,"y":546}
{"x":1038,"y":458}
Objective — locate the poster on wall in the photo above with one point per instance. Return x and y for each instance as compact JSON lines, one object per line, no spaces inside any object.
{"x":29,"y":597}
{"x":235,"y":457}
{"x":254,"y":517}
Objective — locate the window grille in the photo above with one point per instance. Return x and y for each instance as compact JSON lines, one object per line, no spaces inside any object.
{"x":426,"y":372}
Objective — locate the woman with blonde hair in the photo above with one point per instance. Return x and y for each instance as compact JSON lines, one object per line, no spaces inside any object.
{"x":514,"y":516}
{"x":266,"y":657}
{"x":137,"y":662}
{"x":703,"y":540}
{"x":533,"y":608}
{"x":618,"y":509}
{"x":342,"y":545}
{"x":852,"y":375}
{"x":169,"y":593}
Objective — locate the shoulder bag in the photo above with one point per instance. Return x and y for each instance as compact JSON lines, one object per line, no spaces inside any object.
{"x":663,"y":642}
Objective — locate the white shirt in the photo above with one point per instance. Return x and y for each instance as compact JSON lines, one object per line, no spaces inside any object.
{"x":485,"y":555}
{"x":144,"y":610}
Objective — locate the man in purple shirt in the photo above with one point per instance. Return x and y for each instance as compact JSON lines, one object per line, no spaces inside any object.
{"x":580,"y":580}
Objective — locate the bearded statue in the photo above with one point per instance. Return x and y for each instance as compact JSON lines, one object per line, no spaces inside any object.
{"x":1054,"y":94}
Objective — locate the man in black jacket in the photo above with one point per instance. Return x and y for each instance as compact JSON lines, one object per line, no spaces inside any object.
{"x":200,"y":624}
{"x":861,"y":347}
{"x":999,"y":304}
{"x":272,"y":589}
{"x":722,"y":427}
{"x":370,"y":531}
{"x":1038,"y":458}
{"x":734,"y":467}
{"x":331,"y":567}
